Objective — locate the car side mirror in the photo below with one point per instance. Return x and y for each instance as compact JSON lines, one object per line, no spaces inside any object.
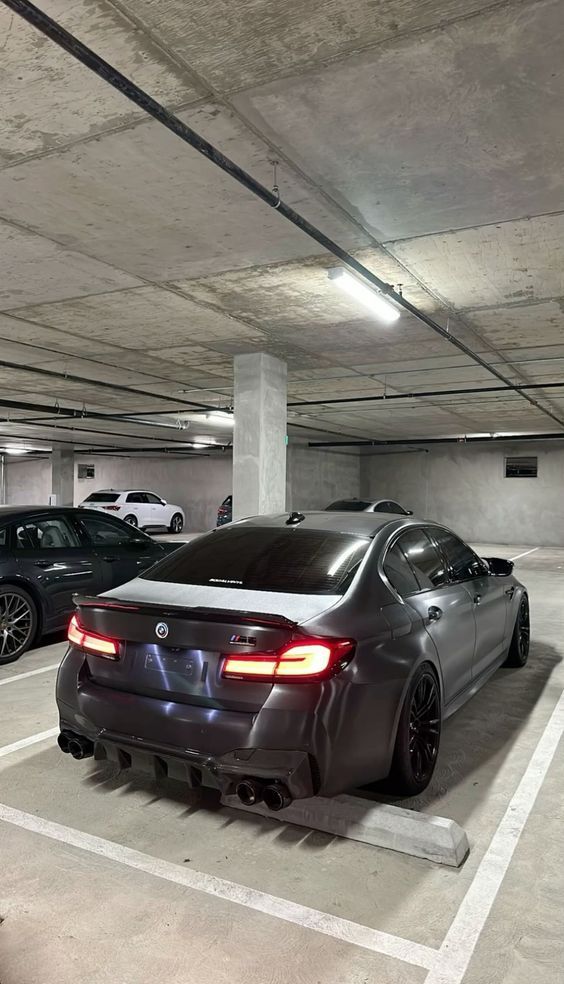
{"x":499,"y":567}
{"x":409,"y":512}
{"x":164,"y":502}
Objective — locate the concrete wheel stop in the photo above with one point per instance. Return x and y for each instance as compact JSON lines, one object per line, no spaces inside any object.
{"x":420,"y":835}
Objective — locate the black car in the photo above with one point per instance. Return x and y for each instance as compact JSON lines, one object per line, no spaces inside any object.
{"x":225,"y":511}
{"x":47,"y":554}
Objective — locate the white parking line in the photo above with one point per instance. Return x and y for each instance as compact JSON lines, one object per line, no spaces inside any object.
{"x":460,"y":942}
{"x":292,"y":912}
{"x":24,"y":742}
{"x":30,"y":673}
{"x":525,"y":554}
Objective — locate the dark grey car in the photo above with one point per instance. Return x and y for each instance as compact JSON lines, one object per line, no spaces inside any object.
{"x":289,"y":656}
{"x":47,"y":554}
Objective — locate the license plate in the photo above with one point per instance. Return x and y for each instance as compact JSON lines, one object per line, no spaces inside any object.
{"x":170,"y":663}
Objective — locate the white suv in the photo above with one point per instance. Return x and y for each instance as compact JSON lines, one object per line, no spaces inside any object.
{"x":138,"y":508}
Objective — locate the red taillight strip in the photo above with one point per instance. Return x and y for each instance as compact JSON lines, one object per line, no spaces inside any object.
{"x":299,"y":661}
{"x":91,"y":641}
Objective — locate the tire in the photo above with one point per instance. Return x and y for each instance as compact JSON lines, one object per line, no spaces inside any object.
{"x":176,"y":524}
{"x":417,"y":748}
{"x":19,"y":622}
{"x":518,"y":653}
{"x":132,"y":520}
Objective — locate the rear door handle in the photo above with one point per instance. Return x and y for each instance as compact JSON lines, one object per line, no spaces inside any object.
{"x":434,"y":613}
{"x":510,"y":592}
{"x":42,"y":563}
{"x":477,"y":599}
{"x":111,"y":560}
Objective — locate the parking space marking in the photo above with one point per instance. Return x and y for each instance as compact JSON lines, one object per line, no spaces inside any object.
{"x":460,"y":942}
{"x":525,"y":554}
{"x":30,"y":673}
{"x":24,"y":742}
{"x":292,"y":912}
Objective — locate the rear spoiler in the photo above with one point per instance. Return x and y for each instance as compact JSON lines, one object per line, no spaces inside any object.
{"x":182,"y":611}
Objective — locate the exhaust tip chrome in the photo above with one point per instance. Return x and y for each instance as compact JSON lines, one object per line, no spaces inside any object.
{"x":249,"y":792}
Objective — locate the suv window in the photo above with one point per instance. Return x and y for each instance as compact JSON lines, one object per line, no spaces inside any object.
{"x":136,"y":497}
{"x":399,"y":573}
{"x":102,"y":497}
{"x":348,"y":505}
{"x":108,"y":532}
{"x":394,"y":507}
{"x":424,"y":558}
{"x":154,"y":499}
{"x":49,"y":533}
{"x":295,"y":561}
{"x":462,"y":561}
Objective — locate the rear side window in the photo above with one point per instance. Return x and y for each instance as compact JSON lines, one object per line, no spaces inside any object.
{"x":54,"y":533}
{"x":399,"y":573}
{"x":109,"y":532}
{"x":424,"y":558}
{"x":293,"y":561}
{"x":348,"y":505}
{"x":102,"y":497}
{"x":136,"y":497}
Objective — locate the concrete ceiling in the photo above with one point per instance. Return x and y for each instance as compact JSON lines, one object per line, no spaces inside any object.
{"x":426,"y":138}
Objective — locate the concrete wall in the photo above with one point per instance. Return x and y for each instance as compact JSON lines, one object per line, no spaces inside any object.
{"x":464,"y":487}
{"x":198,"y":485}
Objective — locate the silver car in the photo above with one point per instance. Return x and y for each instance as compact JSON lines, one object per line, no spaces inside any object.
{"x":285,"y":656}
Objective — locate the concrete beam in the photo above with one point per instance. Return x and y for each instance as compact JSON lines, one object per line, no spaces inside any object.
{"x":421,"y":835}
{"x":259,"y":441}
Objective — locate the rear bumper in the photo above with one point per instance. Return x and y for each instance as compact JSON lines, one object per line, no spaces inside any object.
{"x":199,"y":745}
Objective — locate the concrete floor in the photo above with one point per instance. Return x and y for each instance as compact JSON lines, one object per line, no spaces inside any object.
{"x":148,"y":908}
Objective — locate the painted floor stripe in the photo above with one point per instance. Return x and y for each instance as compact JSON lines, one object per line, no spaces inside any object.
{"x":24,"y":742}
{"x":525,"y":554}
{"x":460,"y":942}
{"x":292,"y":912}
{"x":30,"y":673}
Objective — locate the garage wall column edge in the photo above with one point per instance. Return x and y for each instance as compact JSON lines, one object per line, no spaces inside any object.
{"x":62,"y":475}
{"x":259,"y":439}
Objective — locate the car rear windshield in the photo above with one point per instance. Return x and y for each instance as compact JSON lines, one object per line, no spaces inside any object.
{"x":102,"y":497}
{"x":293,"y":561}
{"x":348,"y":505}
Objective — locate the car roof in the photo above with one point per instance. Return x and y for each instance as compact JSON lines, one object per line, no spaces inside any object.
{"x":359,"y":523}
{"x":7,"y":511}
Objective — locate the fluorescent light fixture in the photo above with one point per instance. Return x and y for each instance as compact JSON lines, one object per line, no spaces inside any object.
{"x":220,"y":417}
{"x":15,"y":450}
{"x":371,"y":299}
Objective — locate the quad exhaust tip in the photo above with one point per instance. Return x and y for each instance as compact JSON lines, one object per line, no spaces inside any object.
{"x":249,"y":792}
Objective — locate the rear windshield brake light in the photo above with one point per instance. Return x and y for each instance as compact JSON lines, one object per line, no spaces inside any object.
{"x":300,"y":661}
{"x":91,"y":641}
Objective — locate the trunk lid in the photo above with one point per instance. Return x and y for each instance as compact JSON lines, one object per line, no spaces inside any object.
{"x":176,"y":653}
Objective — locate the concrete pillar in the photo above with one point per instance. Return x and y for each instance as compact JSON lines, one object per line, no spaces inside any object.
{"x":259,"y":439}
{"x":3,"y":480}
{"x":62,"y":476}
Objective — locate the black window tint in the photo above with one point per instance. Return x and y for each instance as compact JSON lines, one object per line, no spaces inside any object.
{"x":153,"y":499}
{"x":108,"y":532}
{"x":295,"y":561}
{"x":424,"y":558}
{"x":348,"y":505}
{"x":399,"y":573}
{"x":102,"y":497}
{"x":135,"y":497}
{"x":394,"y":507}
{"x":381,"y":507}
{"x":52,"y":533}
{"x":462,"y":561}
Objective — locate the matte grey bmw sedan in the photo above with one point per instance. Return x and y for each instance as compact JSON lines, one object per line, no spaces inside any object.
{"x":286,"y":656}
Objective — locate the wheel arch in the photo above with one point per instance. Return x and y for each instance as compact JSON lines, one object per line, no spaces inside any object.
{"x":18,"y":581}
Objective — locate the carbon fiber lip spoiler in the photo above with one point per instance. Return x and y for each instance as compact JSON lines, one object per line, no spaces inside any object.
{"x":181,"y":611}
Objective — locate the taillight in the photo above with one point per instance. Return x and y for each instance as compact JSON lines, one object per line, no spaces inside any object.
{"x":112,"y":508}
{"x":91,"y":641}
{"x":300,"y":661}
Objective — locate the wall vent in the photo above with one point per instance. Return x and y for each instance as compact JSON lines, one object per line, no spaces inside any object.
{"x":86,"y":471}
{"x":521,"y":467}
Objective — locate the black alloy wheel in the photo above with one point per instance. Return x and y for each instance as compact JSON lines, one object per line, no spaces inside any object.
{"x":418,"y":735}
{"x":520,"y":641}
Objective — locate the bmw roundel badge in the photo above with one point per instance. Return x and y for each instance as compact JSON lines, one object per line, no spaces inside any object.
{"x":161,"y":630}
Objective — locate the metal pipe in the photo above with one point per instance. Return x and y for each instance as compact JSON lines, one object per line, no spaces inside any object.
{"x":42,"y":22}
{"x":69,"y":377}
{"x":384,"y":397}
{"x":397,"y":442}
